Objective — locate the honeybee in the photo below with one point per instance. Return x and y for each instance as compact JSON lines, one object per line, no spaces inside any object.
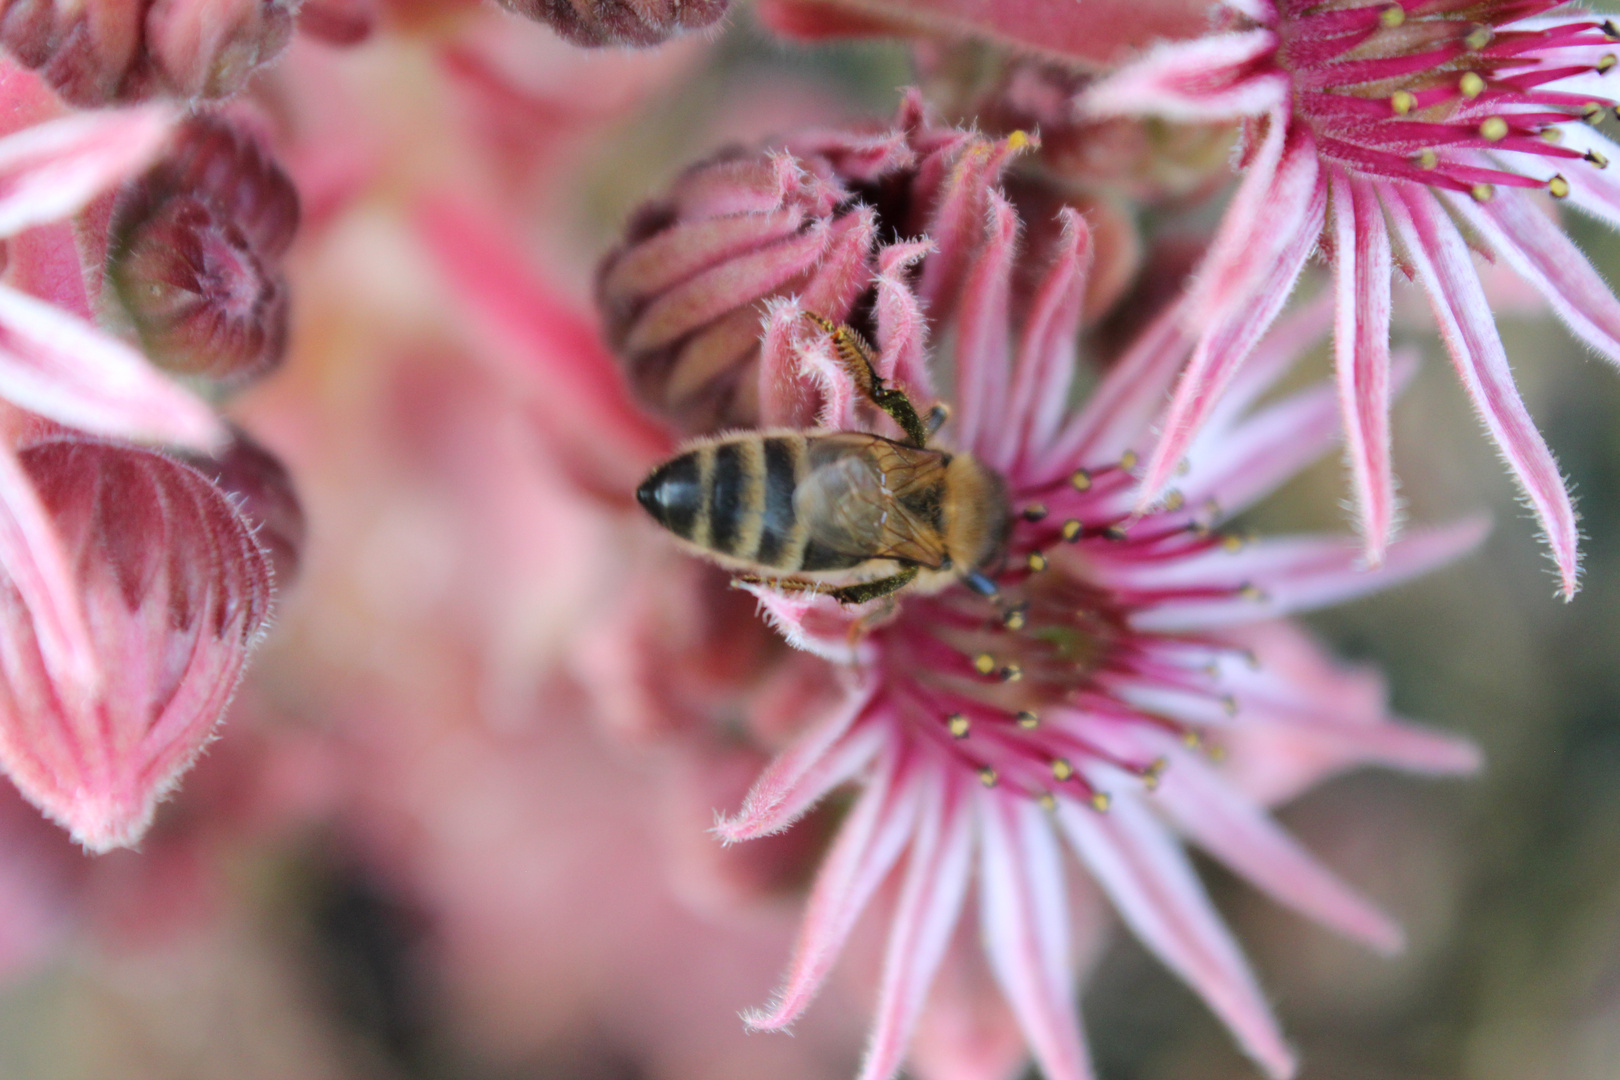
{"x":849,"y":514}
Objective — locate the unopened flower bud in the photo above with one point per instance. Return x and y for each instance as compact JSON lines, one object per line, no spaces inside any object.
{"x":195,"y":255}
{"x":684,"y":297}
{"x":620,"y":22}
{"x":260,"y":488}
{"x":101,"y":51}
{"x":176,"y":591}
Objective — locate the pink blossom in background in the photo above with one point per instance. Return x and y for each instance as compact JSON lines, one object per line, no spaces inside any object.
{"x":1418,"y":116}
{"x":984,"y":734}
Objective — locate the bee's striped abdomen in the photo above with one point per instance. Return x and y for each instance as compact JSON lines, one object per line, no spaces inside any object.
{"x":781,"y":542}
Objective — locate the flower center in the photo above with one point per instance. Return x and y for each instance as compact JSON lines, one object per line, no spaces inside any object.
{"x":1434,"y":91}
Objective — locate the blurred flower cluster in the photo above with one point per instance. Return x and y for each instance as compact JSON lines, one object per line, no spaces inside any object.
{"x":489,"y":774}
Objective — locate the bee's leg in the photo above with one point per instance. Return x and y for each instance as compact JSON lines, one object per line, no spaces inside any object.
{"x":786,"y":584}
{"x":872,"y":590}
{"x":856,"y":356}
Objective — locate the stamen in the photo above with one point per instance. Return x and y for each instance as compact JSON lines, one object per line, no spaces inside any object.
{"x":1036,"y":562}
{"x":1471,"y":85}
{"x":1047,"y":802}
{"x":1478,"y":38}
{"x":1482,"y":193}
{"x":1035,"y":512}
{"x":1012,"y":673}
{"x":1115,"y":532}
{"x":1392,"y":16}
{"x":1229,"y":705}
{"x":1591,"y":112}
{"x":1232,"y":542}
{"x":1071,"y":530}
{"x":1552,"y":135}
{"x":1100,"y":801}
{"x":987,"y":776}
{"x":1605,"y":62}
{"x":1151,"y":774}
{"x":1061,"y":769}
{"x":1128,"y":460}
{"x":1081,"y":480}
{"x":1173,"y":501}
{"x":1015,"y":618}
{"x":984,"y":663}
{"x":1558,"y":187}
{"x":1403,"y":102}
{"x":1027,"y":720}
{"x":1610,"y":31}
{"x":1250,"y":591}
{"x":1597,"y":159}
{"x":957,"y":725}
{"x":1428,"y":159}
{"x":1494,"y":129}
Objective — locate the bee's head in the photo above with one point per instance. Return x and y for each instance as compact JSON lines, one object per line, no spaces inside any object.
{"x":673,"y":494}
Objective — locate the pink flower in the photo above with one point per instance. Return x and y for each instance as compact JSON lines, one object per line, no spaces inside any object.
{"x":1418,"y":115}
{"x":175,"y":591}
{"x":988,"y":735}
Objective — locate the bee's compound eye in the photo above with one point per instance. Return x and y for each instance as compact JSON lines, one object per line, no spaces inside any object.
{"x":673,"y":494}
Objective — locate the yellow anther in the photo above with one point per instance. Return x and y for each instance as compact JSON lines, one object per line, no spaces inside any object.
{"x":1190,"y":739}
{"x":1216,"y":752}
{"x":1403,"y":102}
{"x":1494,"y":129}
{"x":1012,"y":673}
{"x":1115,"y":532}
{"x":1592,"y":112}
{"x":1061,"y":769}
{"x":957,"y":725}
{"x":1428,"y":159}
{"x":1232,"y":542}
{"x":1027,"y":720}
{"x":1100,"y":802}
{"x":1471,"y":84}
{"x":1173,"y":501}
{"x":1071,"y":530}
{"x":1081,"y":480}
{"x":1018,"y":140}
{"x":1047,"y":802}
{"x":1597,"y":159}
{"x":1606,"y":61}
{"x":1036,"y":562}
{"x":1250,"y":591}
{"x":1014,"y":619}
{"x":988,"y":777}
{"x":1552,"y":135}
{"x":1610,"y":31}
{"x":1558,"y":187}
{"x":1478,"y":38}
{"x":984,"y":663}
{"x":1482,"y":193}
{"x":1035,"y":512}
{"x":1229,"y":705}
{"x":1392,"y":16}
{"x":1128,"y":460}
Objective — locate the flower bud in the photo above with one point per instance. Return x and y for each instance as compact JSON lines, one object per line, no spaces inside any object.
{"x":593,"y":23}
{"x":195,"y":255}
{"x":683,"y":298}
{"x":101,"y":51}
{"x":260,"y":488}
{"x":176,"y":591}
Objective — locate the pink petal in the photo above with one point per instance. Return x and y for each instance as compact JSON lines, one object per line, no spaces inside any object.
{"x":1295,"y":332}
{"x":63,"y":368}
{"x":902,"y":328}
{"x":51,"y":170}
{"x":177,"y":592}
{"x":1208,"y":78}
{"x":1361,"y":350}
{"x":1236,"y":831}
{"x":1242,"y":466}
{"x":819,"y":760}
{"x":983,"y":361}
{"x":31,"y":556}
{"x":1297,"y":574}
{"x":1024,"y":918}
{"x":869,"y":843}
{"x":1227,"y":343}
{"x":1048,"y":351}
{"x":787,"y":397}
{"x":547,"y":340}
{"x":1442,"y":261}
{"x":925,"y":917}
{"x":958,"y":221}
{"x":1160,"y":898}
{"x":1119,"y":410}
{"x":1540,"y":252}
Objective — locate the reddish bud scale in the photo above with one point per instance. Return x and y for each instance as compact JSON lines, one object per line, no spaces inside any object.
{"x":594,"y":23}
{"x":106,"y":51}
{"x":262,"y":491}
{"x":176,"y":591}
{"x":196,"y":251}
